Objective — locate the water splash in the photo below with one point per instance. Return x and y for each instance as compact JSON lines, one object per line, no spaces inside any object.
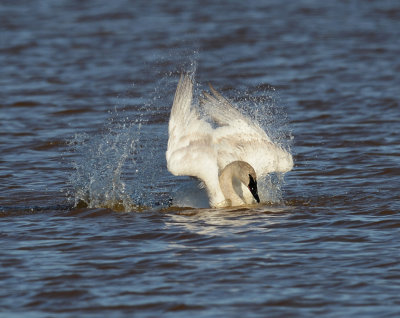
{"x":97,"y":179}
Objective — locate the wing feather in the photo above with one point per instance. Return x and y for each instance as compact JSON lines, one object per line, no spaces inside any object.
{"x":239,"y":138}
{"x":190,"y":137}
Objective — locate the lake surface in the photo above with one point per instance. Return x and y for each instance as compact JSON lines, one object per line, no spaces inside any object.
{"x":88,"y":225}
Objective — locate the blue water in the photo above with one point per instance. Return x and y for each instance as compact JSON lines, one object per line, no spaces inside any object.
{"x":86,"y":222}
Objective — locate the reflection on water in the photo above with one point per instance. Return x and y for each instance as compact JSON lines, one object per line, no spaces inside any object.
{"x":220,"y":222}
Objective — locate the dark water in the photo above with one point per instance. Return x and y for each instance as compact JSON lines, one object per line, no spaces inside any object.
{"x":86,"y":89}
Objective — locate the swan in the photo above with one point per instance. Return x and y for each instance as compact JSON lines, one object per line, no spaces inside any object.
{"x":222,"y":147}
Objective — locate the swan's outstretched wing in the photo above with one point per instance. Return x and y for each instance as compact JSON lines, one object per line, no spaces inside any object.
{"x":224,"y":114}
{"x":239,"y":138}
{"x":190,"y":151}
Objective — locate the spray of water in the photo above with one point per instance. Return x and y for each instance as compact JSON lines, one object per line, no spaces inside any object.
{"x":99,"y":168}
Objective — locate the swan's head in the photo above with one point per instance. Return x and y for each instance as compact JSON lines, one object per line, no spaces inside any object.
{"x":253,"y":187}
{"x":249,"y":178}
{"x":245,"y":176}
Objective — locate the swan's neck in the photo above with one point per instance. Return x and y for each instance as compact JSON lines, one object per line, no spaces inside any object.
{"x":234,"y":191}
{"x":215,"y":195}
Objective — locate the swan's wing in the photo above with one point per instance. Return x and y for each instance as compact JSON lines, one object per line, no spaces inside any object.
{"x":239,"y":138}
{"x":263,"y":155}
{"x":223,"y":113}
{"x":181,"y":111}
{"x":190,"y":149}
{"x":185,"y":125}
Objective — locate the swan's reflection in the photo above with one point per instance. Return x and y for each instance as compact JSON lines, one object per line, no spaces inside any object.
{"x":226,"y":221}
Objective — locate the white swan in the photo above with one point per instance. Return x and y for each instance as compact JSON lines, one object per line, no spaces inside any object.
{"x":227,"y":158}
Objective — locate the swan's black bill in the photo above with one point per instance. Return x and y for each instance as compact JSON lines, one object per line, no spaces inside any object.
{"x":253,"y":188}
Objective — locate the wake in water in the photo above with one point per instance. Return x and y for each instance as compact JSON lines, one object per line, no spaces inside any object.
{"x":124,"y":167}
